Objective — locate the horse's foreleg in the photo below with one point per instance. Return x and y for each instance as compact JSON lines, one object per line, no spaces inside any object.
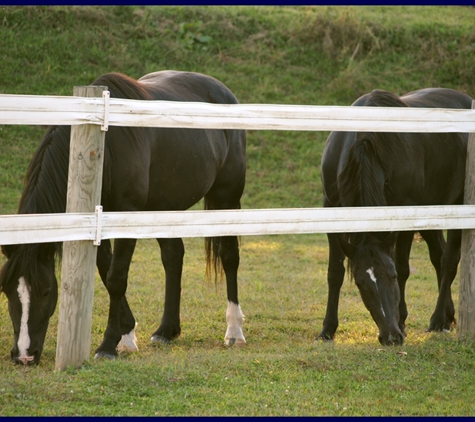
{"x":128,"y":342}
{"x":116,"y":284}
{"x":402,"y":253}
{"x":335,"y":276}
{"x":229,"y":255}
{"x":444,"y":315}
{"x":172,"y":252}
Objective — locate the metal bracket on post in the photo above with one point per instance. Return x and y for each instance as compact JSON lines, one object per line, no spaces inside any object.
{"x":105,"y":124}
{"x":97,"y":241}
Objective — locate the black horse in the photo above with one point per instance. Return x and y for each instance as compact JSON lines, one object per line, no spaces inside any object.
{"x":394,"y":169}
{"x":145,"y":169}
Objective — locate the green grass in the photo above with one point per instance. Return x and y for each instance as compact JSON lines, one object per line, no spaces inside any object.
{"x":265,"y":55}
{"x":279,"y":372}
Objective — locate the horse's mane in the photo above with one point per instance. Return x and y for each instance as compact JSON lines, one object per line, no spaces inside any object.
{"x":362,"y":179}
{"x":47,"y":174}
{"x":123,"y":86}
{"x":381,"y":98}
{"x":46,"y":179}
{"x":358,"y":182}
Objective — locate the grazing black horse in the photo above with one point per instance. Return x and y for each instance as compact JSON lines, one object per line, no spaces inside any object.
{"x":145,"y":169}
{"x":394,"y":169}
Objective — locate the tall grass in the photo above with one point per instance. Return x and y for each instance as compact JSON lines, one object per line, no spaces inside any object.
{"x":289,"y":55}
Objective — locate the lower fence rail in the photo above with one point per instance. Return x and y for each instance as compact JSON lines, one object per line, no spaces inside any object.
{"x":43,"y":228}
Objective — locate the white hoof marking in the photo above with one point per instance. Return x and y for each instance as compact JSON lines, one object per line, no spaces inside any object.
{"x":235,"y":319}
{"x":128,"y":343}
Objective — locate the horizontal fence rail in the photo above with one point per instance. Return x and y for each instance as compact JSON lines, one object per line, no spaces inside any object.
{"x":105,"y":111}
{"x":41,"y":228}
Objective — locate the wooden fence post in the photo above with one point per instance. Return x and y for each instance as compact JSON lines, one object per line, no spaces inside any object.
{"x":466,"y":323}
{"x":79,"y":257}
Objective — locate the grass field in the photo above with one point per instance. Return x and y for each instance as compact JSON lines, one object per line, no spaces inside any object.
{"x":264,"y":55}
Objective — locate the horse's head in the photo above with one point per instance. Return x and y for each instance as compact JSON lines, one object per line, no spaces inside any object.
{"x":373,"y":269}
{"x":29,"y":282}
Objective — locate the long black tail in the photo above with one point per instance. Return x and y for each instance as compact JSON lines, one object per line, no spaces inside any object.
{"x":213,"y":260}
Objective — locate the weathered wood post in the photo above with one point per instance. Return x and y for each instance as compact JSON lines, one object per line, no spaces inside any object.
{"x":466,"y":323}
{"x":79,"y":257}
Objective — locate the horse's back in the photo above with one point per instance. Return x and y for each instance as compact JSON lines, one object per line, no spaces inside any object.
{"x":423,"y":98}
{"x":447,"y":151}
{"x":189,"y":164}
{"x":438,"y":98}
{"x":174,"y":85}
{"x":170,"y":168}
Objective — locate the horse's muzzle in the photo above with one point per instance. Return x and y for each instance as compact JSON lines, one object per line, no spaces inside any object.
{"x":25,"y":359}
{"x":396,"y":339}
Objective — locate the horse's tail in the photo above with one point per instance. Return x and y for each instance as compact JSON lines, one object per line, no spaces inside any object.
{"x":213,"y":260}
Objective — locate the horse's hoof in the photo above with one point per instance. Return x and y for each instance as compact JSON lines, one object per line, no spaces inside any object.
{"x":128,"y":343}
{"x":159,"y":340}
{"x":234,"y":342}
{"x":435,"y":328}
{"x":104,"y":355}
{"x":324,"y":339}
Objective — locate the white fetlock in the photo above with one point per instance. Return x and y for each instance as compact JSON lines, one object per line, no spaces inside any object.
{"x":235,"y":319}
{"x":128,"y":342}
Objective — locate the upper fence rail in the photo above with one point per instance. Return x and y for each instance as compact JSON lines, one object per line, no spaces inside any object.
{"x":105,"y":111}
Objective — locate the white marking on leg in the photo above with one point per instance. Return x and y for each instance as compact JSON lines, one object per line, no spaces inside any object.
{"x":24,"y":338}
{"x":370,"y":271}
{"x":235,"y":320}
{"x":128,"y":342}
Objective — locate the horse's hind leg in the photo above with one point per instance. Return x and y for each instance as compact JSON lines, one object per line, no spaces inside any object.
{"x":435,"y":243}
{"x":227,"y":249}
{"x":128,"y":342}
{"x":172,"y":252}
{"x":444,"y":314}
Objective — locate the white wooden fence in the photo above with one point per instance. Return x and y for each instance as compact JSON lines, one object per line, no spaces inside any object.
{"x":100,"y":112}
{"x":39,"y":228}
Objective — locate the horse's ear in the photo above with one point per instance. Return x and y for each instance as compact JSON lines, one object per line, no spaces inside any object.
{"x":348,"y":249}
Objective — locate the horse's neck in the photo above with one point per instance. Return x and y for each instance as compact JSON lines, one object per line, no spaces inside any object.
{"x":46,"y":187}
